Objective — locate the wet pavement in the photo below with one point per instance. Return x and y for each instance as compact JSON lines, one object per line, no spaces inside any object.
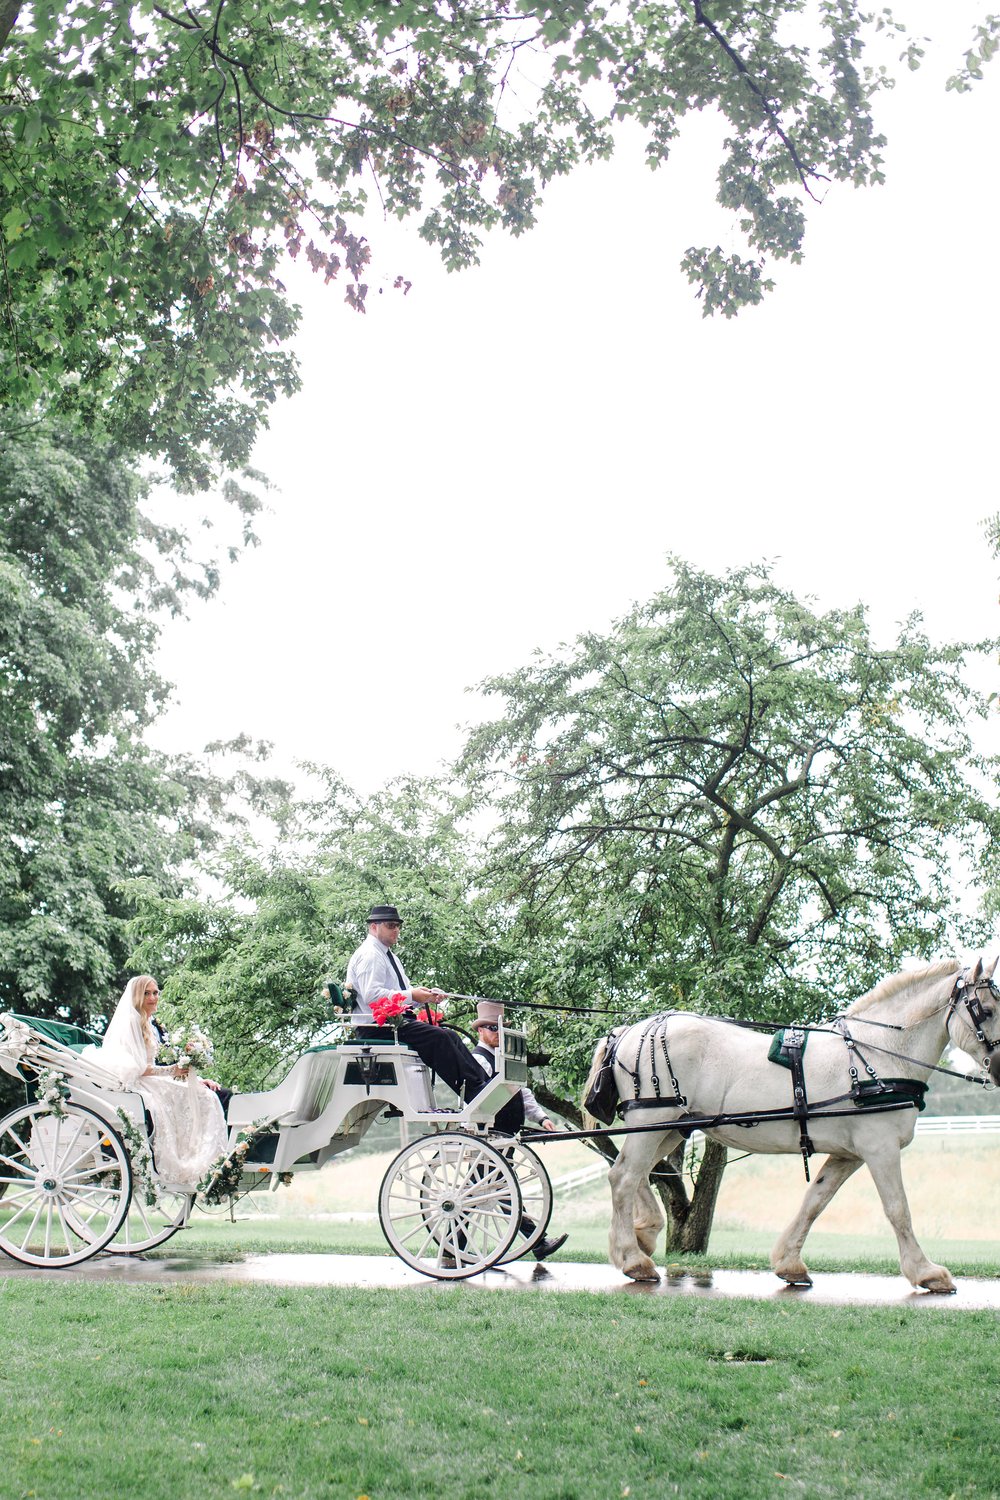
{"x":524,"y":1276}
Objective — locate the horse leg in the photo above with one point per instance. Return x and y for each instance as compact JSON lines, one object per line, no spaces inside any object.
{"x":631,"y":1200}
{"x":786,"y":1257}
{"x":884,"y":1165}
{"x":648,"y":1218}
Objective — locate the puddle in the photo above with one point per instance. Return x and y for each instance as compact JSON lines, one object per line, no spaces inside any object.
{"x":525,"y":1276}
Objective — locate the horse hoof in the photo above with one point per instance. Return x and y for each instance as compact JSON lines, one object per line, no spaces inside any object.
{"x":641,"y":1270}
{"x":942,"y":1285}
{"x":795,"y":1278}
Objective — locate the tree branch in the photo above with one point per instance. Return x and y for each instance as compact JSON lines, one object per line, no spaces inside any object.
{"x":176,"y":20}
{"x":9,"y":10}
{"x":803,"y":171}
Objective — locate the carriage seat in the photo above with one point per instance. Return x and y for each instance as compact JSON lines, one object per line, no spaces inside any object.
{"x":63,"y":1032}
{"x":300,"y":1097}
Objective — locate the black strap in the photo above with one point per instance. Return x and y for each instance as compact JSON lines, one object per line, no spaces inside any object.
{"x":793,"y":1047}
{"x":712,"y":1122}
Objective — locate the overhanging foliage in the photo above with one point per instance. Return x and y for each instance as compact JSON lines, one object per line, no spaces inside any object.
{"x":158,"y":161}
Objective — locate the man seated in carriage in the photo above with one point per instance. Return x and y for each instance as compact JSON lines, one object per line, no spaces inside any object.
{"x":375,"y":973}
{"x":521,"y":1107}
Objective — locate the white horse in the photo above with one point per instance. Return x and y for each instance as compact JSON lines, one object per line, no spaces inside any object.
{"x":718,"y":1069}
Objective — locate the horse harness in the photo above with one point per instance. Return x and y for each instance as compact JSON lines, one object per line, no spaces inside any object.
{"x":968,"y":995}
{"x":874,"y":1093}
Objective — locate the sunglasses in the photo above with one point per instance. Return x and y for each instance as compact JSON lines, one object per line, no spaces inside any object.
{"x":397,"y":925}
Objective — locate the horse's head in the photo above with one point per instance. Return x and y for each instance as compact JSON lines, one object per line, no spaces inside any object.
{"x":975,"y":1004}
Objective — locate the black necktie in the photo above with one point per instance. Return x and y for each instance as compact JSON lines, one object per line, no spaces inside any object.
{"x":402,"y":983}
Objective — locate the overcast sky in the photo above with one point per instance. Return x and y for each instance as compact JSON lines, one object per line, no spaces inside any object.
{"x":505,"y":457}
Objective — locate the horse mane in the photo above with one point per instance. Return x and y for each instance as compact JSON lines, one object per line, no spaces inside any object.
{"x":898,"y":987}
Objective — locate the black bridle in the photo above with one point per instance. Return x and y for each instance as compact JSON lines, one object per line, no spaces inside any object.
{"x":966,"y":992}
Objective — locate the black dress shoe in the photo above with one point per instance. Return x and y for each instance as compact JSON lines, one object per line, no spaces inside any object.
{"x":545,"y":1248}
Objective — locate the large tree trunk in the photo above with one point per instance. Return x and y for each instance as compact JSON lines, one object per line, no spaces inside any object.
{"x":689,"y":1219}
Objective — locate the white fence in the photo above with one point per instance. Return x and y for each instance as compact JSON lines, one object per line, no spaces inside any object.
{"x":959,"y":1125}
{"x":581,"y":1178}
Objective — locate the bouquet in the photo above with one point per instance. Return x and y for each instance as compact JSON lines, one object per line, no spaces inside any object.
{"x":52,"y":1091}
{"x":394,"y":1009}
{"x":391,"y":1010}
{"x":187,"y":1047}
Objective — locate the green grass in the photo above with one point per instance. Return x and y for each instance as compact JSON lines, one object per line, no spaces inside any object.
{"x":460,"y":1394}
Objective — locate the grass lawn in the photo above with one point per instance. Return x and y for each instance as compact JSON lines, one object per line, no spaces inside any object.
{"x":180,"y":1391}
{"x":459,"y":1393}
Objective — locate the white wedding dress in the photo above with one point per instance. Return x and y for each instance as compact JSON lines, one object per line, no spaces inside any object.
{"x":189,"y":1128}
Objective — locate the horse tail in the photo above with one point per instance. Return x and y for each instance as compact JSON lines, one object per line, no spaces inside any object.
{"x":600,"y":1092}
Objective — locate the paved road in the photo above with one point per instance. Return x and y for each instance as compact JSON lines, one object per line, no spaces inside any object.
{"x":523,"y":1276}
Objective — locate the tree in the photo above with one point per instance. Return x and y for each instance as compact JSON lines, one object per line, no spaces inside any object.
{"x":157,"y":162}
{"x":85,"y":805}
{"x":735,"y":804}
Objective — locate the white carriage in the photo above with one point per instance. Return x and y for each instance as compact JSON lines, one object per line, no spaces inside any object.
{"x":77,"y":1164}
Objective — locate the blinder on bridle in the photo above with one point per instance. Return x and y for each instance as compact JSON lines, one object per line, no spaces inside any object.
{"x":966,"y":992}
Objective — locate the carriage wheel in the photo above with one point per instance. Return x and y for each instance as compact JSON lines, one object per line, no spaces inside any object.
{"x":147,"y":1226}
{"x":536,"y":1194}
{"x":68,"y":1184}
{"x":450,"y":1206}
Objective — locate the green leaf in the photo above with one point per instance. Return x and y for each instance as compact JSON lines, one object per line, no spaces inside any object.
{"x":31,"y":128}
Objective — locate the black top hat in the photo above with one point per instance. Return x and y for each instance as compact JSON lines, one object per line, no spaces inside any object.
{"x":384,"y":914}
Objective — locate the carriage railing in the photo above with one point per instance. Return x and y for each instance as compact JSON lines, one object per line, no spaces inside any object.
{"x":21,"y":1046}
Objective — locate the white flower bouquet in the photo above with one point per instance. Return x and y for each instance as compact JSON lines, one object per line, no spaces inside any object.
{"x":187,"y":1047}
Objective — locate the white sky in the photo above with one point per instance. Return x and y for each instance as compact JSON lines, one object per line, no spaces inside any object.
{"x":503,"y":458}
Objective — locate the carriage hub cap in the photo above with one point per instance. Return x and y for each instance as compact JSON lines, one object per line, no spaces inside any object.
{"x":49,"y":1185}
{"x":448,"y":1205}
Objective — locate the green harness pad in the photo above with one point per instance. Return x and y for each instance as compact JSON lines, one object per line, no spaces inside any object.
{"x":873,"y":1093}
{"x":893,"y":1091}
{"x":775,"y":1053}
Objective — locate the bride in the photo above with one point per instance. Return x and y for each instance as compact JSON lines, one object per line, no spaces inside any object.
{"x":189,"y":1130}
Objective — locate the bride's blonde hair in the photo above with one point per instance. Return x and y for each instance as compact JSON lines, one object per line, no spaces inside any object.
{"x":137,"y":993}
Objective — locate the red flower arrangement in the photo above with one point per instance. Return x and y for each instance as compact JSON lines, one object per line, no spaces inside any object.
{"x":390,"y":1008}
{"x":396,"y":1008}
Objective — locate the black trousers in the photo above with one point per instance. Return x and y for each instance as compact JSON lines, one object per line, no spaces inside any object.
{"x":443,"y":1052}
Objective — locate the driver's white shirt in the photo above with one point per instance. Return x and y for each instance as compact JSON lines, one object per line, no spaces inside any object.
{"x":371,"y":976}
